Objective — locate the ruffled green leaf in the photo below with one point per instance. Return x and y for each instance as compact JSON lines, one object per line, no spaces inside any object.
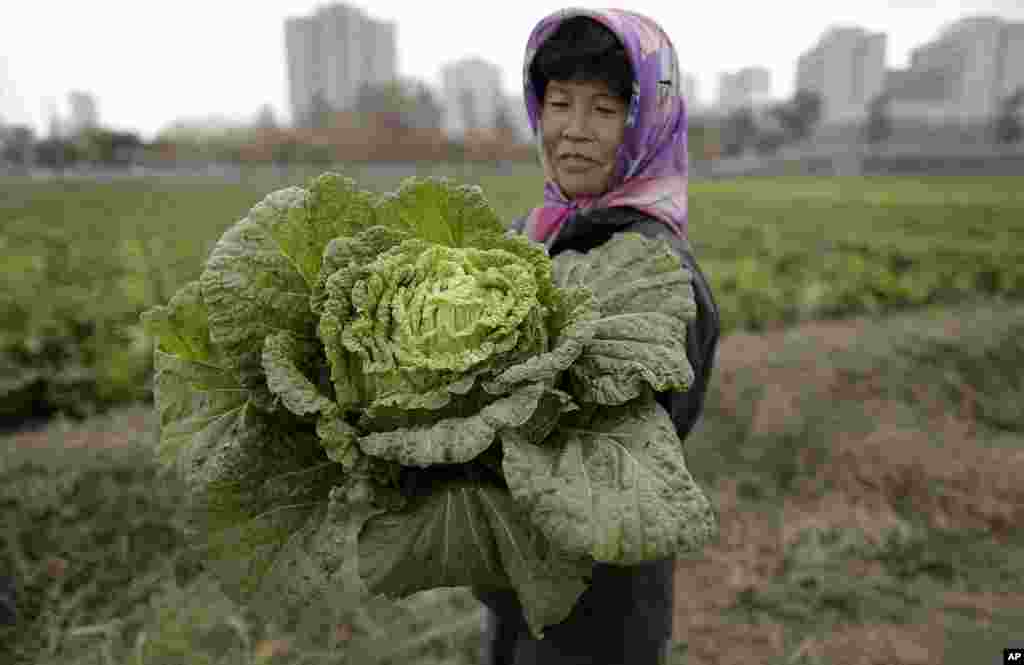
{"x":438,"y":211}
{"x":198,"y":395}
{"x":338,"y":438}
{"x":551,"y":407}
{"x":440,"y":540}
{"x":346,"y":259}
{"x":572,"y":324}
{"x":454,"y":440}
{"x":421,"y":322}
{"x":251,"y":288}
{"x":181,"y":328}
{"x":611,"y":483}
{"x":258,"y":482}
{"x":199,"y":404}
{"x":302,"y":222}
{"x":469,"y":534}
{"x":547,"y":581}
{"x":300,"y":558}
{"x":645,"y":298}
{"x":289,"y":361}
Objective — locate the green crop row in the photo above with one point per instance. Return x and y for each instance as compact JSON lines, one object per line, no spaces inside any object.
{"x":81,"y":260}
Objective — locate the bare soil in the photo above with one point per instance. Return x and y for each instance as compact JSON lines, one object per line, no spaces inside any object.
{"x":870,"y":474}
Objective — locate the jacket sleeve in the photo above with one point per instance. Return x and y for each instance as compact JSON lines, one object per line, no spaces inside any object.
{"x":701,"y":335}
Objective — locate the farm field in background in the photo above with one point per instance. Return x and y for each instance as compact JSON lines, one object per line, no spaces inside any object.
{"x":862,"y":435}
{"x":81,"y":259}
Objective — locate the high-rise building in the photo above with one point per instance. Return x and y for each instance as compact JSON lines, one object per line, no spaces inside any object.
{"x":963,"y":74}
{"x":83,"y":112}
{"x":847,"y":69}
{"x":471,"y":89}
{"x":332,"y":55}
{"x":749,"y":87}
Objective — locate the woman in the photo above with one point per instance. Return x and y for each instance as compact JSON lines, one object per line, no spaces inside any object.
{"x":603,"y":97}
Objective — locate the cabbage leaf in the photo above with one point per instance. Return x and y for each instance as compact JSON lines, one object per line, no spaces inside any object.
{"x":645,"y":298}
{"x":611,"y":483}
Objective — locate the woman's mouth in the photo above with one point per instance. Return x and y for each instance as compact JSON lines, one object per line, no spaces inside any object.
{"x":575,"y":162}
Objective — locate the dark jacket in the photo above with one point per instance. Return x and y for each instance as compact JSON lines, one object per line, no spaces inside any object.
{"x":8,"y":601}
{"x":625,"y":615}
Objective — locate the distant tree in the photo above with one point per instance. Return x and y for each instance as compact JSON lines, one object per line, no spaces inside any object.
{"x":703,"y":139}
{"x":16,"y":147}
{"x":739,"y":131}
{"x":403,"y":105}
{"x":879,"y":123}
{"x":56,"y":153}
{"x":320,"y":111}
{"x":503,"y":122}
{"x":265,"y":118}
{"x":467,"y":107}
{"x":428,"y":111}
{"x":769,"y":140}
{"x":800,"y":115}
{"x":1008,"y":125}
{"x":106,"y":146}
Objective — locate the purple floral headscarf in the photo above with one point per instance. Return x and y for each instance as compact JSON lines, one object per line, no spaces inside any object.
{"x":651,"y":165}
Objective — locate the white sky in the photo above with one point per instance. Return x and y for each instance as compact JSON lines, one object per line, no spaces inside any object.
{"x":149,"y":63}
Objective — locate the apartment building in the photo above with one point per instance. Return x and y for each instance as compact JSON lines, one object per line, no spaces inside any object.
{"x":472,"y":95}
{"x":332,"y":54}
{"x":84,"y":114}
{"x":962,"y":75}
{"x":847,"y":69}
{"x":748,"y":87}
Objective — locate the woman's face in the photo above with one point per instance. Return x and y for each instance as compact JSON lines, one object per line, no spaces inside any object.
{"x":582,"y":126}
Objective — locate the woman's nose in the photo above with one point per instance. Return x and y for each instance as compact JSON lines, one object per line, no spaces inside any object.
{"x":578,"y":125}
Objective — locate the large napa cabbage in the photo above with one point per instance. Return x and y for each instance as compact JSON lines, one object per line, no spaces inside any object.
{"x":390,"y":392}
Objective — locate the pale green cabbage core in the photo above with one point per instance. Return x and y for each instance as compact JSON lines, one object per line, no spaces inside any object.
{"x":439,"y":308}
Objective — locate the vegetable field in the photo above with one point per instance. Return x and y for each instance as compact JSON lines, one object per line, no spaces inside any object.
{"x":862,"y":443}
{"x":81,"y":260}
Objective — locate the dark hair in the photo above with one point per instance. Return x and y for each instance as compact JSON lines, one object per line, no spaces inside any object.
{"x":582,"y":49}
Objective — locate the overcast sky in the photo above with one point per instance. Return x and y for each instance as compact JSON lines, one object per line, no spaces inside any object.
{"x":149,"y":63}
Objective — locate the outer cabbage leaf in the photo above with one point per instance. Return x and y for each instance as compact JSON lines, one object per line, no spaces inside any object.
{"x":182,"y":326}
{"x":291,"y":364}
{"x":291,"y":561}
{"x":454,"y":440}
{"x":288,"y":362}
{"x":552,"y":406}
{"x":252,"y":289}
{"x":645,"y":299}
{"x":302,"y":222}
{"x":258,"y":482}
{"x":548,"y":581}
{"x":198,"y":395}
{"x":464,"y":533}
{"x":338,"y":438}
{"x":438,"y":211}
{"x":611,"y":483}
{"x":571,"y":322}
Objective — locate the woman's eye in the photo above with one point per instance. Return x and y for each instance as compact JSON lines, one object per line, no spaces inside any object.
{"x":559,"y":105}
{"x":606,"y":111}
